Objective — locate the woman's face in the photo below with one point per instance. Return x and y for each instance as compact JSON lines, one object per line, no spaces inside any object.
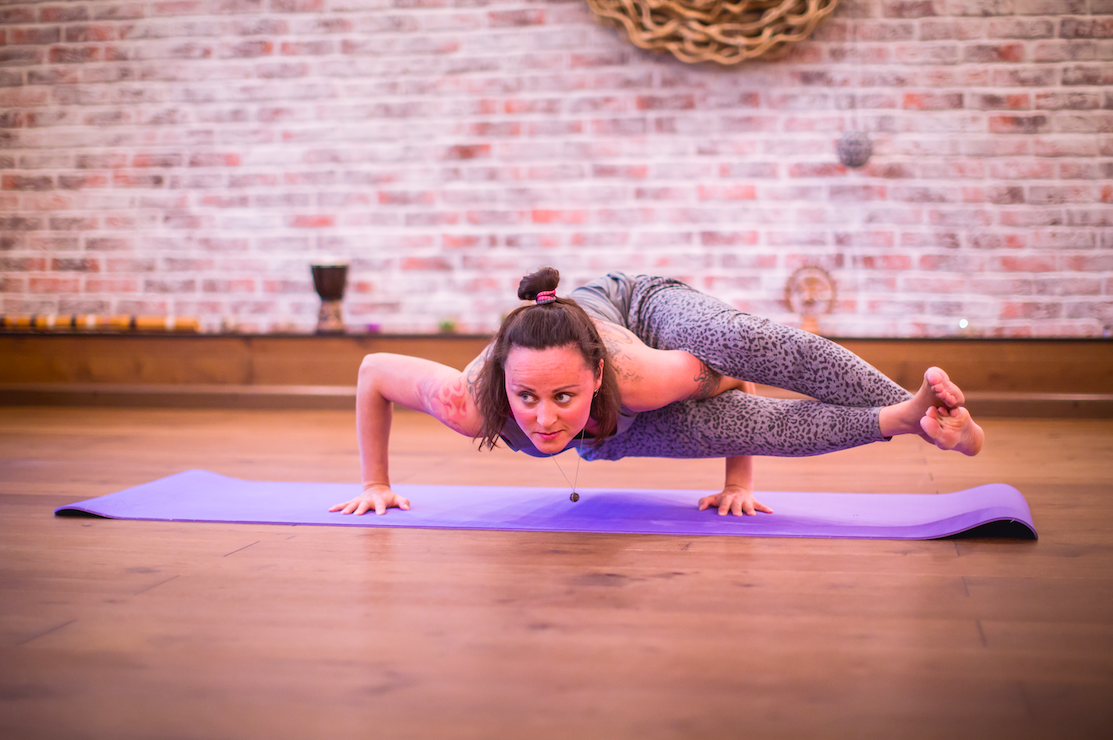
{"x":550,"y":393}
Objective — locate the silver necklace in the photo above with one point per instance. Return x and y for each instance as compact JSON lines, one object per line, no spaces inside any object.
{"x":572,"y":483}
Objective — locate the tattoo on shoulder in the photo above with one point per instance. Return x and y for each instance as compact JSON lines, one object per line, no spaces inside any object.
{"x":707,"y":382}
{"x":607,"y":330}
{"x":474,"y":368}
{"x":618,"y":342}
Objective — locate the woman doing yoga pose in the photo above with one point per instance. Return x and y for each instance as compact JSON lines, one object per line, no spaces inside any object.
{"x":642,"y":366}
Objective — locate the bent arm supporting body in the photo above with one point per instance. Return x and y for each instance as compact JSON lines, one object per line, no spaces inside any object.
{"x":421,"y":385}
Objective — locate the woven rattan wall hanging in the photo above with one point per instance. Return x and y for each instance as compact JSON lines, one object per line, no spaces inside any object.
{"x":715,"y":30}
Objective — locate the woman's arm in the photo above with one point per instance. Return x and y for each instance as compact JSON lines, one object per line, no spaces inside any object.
{"x":421,"y":385}
{"x":737,"y":496}
{"x":653,"y":378}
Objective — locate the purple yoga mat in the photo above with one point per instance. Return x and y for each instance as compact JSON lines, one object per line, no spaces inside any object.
{"x":203,"y":496}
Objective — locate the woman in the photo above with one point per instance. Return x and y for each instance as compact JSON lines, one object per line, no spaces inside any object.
{"x":649,"y":367}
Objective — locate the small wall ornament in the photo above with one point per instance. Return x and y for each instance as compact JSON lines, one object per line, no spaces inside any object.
{"x":810,"y":292}
{"x":715,"y":30}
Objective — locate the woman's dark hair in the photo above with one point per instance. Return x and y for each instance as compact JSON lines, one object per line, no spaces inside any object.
{"x":558,"y":323}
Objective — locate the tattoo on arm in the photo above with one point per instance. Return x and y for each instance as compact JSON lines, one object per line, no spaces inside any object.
{"x":707,"y":382}
{"x":447,"y":401}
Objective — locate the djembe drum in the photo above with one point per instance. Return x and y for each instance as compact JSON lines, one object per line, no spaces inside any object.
{"x":330,"y":277}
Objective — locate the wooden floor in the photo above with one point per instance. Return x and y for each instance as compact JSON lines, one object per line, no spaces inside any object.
{"x":115,"y":629}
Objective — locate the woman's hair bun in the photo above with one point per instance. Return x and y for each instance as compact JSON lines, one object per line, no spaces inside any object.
{"x":547,"y":278}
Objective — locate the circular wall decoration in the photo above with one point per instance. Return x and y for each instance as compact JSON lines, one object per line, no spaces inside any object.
{"x":810,"y":292}
{"x":715,"y":30}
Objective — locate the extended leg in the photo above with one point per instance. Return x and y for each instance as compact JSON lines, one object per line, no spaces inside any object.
{"x":736,"y":423}
{"x":666,"y":314}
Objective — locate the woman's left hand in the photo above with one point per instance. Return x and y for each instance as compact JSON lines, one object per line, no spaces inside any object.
{"x":735,"y":500}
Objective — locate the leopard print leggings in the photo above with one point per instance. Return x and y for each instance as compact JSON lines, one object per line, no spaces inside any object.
{"x":667,"y":314}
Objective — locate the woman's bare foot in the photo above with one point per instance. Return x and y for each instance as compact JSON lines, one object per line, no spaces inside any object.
{"x":953,"y":429}
{"x":942,"y":388}
{"x":937,"y":391}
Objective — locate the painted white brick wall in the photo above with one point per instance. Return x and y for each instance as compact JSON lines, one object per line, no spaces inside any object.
{"x":192,"y":157}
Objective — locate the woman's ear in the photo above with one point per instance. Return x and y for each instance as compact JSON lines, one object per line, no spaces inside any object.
{"x":599,"y":375}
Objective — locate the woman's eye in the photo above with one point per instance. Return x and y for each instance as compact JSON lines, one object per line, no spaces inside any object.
{"x":525,"y":397}
{"x":564,"y":397}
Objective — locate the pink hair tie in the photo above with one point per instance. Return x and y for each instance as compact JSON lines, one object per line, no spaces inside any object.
{"x":546,"y":296}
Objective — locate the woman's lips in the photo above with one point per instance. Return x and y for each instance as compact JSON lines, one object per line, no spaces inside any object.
{"x":547,"y":435}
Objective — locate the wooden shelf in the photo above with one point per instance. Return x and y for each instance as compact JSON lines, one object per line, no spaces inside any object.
{"x":1045,"y":377}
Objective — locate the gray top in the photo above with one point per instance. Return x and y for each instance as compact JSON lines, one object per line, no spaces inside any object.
{"x":606,"y":298}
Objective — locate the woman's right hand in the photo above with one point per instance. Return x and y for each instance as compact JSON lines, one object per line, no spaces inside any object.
{"x":375,"y":496}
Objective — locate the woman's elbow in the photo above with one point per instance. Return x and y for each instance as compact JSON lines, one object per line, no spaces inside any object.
{"x":369,"y":369}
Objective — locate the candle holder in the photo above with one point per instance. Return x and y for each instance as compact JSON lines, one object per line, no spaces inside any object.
{"x":330,"y":278}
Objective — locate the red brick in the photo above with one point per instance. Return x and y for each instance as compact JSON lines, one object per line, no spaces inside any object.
{"x":1009,"y":52}
{"x":111,"y":285}
{"x":727,"y":192}
{"x":817,"y":169}
{"x":1060,"y":285}
{"x":18,"y":36}
{"x":1022,"y":169}
{"x":931,"y":101}
{"x":924,"y":194}
{"x":945,"y":239}
{"x":297,"y":6}
{"x":960,"y":217}
{"x":1101,"y":262}
{"x":75,"y":264}
{"x":998,"y":241}
{"x":1088,"y":74}
{"x":1034,"y":124}
{"x":625,"y":172}
{"x":44,"y":284}
{"x":856,"y":193}
{"x":80,"y":181}
{"x":998,"y":101}
{"x":27,"y":182}
{"x":619,"y":127}
{"x":908,"y":8}
{"x":74,"y":54}
{"x":874,"y":239}
{"x":238,"y":285}
{"x":22,"y":264}
{"x":728,"y":238}
{"x":1021,"y":28}
{"x":1037,"y":76}
{"x":425,"y":263}
{"x":90,"y":33}
{"x":473,"y":151}
{"x":163,"y":159}
{"x":213,"y":200}
{"x":1086,"y":28}
{"x":547,"y":216}
{"x":20,"y":57}
{"x":312,"y":221}
{"x":1015,"y":310}
{"x":11,"y":16}
{"x":502,"y":19}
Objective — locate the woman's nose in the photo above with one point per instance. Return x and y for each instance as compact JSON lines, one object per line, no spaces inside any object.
{"x":546,"y":414}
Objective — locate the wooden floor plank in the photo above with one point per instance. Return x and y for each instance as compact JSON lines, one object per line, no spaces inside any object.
{"x":160,"y":629}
